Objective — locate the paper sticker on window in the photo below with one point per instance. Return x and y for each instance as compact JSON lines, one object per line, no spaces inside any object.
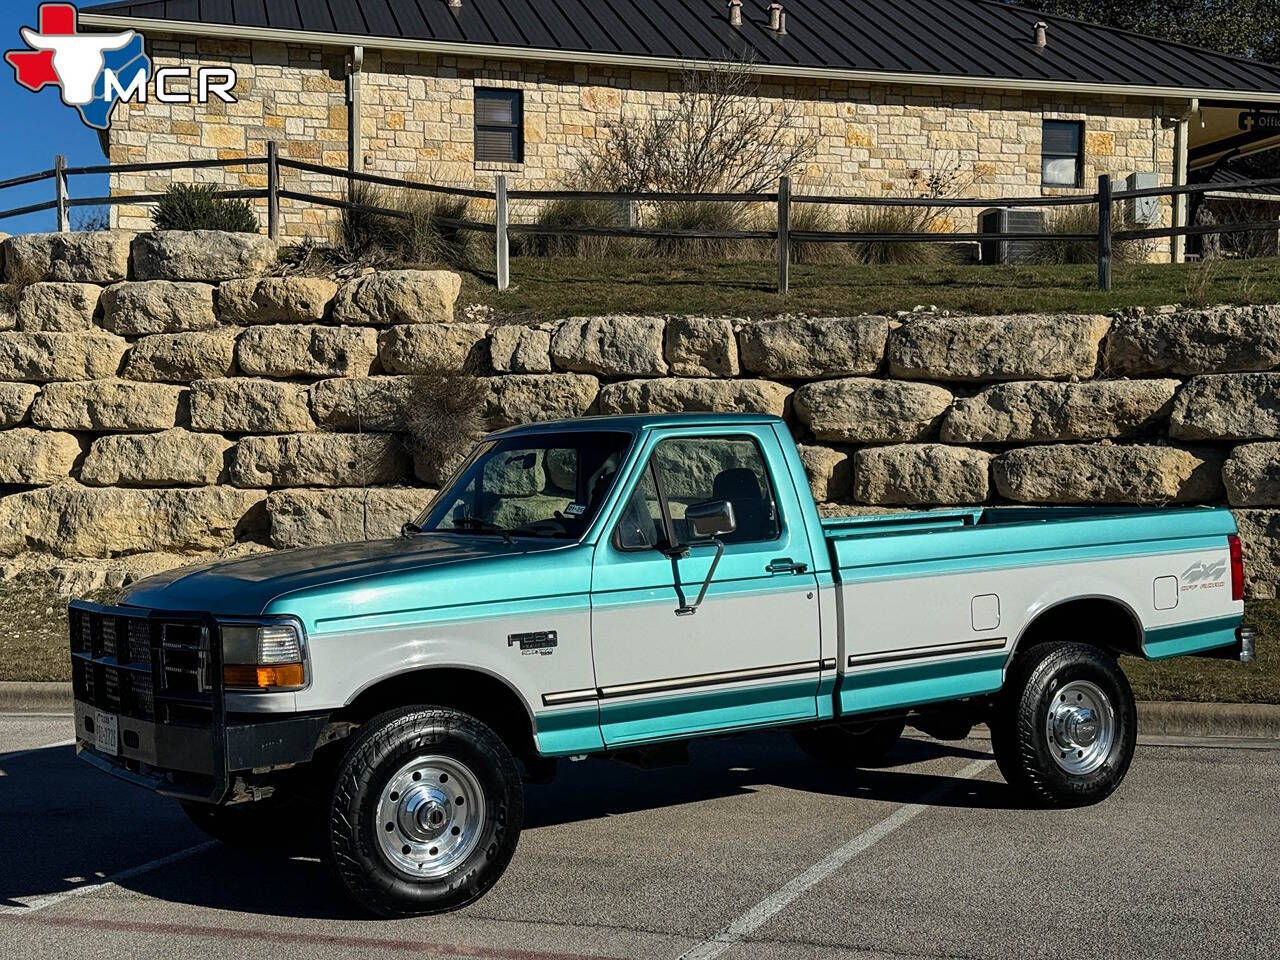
{"x":575,"y":509}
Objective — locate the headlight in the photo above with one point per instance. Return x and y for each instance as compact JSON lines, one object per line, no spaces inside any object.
{"x":262,"y":656}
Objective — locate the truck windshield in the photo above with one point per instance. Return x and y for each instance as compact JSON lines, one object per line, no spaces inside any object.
{"x":549,"y":485}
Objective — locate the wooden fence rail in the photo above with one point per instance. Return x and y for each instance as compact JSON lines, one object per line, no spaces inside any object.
{"x":784,"y":237}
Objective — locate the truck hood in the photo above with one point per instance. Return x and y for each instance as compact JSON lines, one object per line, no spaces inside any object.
{"x":247,"y":586}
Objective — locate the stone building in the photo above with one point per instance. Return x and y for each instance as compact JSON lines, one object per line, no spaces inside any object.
{"x":456,"y":91}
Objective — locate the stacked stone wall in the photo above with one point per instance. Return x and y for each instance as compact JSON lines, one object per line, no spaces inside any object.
{"x":170,"y":394}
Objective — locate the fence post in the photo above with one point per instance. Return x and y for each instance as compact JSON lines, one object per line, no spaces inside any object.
{"x":500,"y":222}
{"x":1105,"y":210}
{"x":273,"y":190}
{"x":784,"y":235}
{"x":60,"y":193}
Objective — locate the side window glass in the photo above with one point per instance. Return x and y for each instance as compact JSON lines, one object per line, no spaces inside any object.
{"x":641,"y":523}
{"x":703,"y":469}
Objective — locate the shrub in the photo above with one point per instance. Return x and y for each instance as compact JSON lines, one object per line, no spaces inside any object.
{"x":576,"y":213}
{"x":719,"y":135}
{"x":701,"y":215}
{"x":882,"y":220}
{"x":198,"y":207}
{"x":413,"y":232}
{"x":1084,"y":219}
{"x":813,"y":218}
{"x":443,"y":419}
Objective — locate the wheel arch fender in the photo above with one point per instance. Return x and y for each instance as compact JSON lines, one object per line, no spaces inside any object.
{"x":1115,"y":616}
{"x":474,"y":689}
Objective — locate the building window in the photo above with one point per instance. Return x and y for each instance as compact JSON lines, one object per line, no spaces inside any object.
{"x":499,"y":126}
{"x":1062,"y":154}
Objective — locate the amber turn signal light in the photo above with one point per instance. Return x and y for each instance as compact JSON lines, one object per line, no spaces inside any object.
{"x":263,"y":678}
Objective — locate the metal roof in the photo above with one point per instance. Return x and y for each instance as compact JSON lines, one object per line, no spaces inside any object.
{"x":903,"y":40}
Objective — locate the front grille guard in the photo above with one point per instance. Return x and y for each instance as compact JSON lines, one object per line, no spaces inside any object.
{"x":217,"y":702}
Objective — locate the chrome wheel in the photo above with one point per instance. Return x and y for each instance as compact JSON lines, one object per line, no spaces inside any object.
{"x":430,"y":816}
{"x":1080,"y":727}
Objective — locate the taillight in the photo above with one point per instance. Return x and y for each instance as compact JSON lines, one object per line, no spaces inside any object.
{"x":1237,"y":567}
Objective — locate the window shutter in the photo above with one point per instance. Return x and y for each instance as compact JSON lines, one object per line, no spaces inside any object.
{"x":499,"y":133}
{"x":495,"y":146}
{"x":498,"y":110}
{"x":1061,"y":139}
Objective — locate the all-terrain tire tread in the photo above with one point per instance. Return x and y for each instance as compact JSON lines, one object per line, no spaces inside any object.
{"x":422,"y":725}
{"x":1015,"y":730}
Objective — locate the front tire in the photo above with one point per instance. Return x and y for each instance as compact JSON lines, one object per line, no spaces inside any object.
{"x":1065,"y":726}
{"x":426,"y":812}
{"x":851,"y":743}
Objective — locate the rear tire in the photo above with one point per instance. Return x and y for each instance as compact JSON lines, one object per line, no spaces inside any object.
{"x":426,"y":812}
{"x":851,"y":743}
{"x":1065,"y":726}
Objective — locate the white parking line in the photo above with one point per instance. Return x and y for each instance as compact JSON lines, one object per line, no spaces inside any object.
{"x":40,"y":903}
{"x":764,"y":911}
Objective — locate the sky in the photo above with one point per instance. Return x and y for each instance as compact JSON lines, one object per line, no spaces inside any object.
{"x":35,"y":127}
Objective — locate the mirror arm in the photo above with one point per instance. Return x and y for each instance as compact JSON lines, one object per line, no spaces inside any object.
{"x":685,"y":610}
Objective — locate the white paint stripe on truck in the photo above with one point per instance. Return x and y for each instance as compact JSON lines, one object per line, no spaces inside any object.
{"x":764,"y":911}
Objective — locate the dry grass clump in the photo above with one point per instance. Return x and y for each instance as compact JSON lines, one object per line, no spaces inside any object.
{"x":444,"y":416}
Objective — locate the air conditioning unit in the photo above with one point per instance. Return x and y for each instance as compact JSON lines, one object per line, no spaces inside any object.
{"x":1009,"y":220}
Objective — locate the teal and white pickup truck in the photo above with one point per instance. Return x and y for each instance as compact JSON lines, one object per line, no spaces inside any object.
{"x":620,"y":586}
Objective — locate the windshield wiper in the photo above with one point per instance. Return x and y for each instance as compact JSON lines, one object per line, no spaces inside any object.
{"x":483,"y":526}
{"x":526,"y":532}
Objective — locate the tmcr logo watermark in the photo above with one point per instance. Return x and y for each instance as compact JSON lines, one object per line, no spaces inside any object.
{"x":96,"y":71}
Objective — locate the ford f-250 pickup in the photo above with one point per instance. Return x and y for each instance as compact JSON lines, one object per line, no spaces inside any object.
{"x":619,"y":586}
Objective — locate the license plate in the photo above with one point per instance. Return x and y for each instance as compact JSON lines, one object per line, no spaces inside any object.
{"x":106,"y":733}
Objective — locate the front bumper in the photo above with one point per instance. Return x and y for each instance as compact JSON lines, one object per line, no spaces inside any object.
{"x":200,"y":764}
{"x":156,"y":677}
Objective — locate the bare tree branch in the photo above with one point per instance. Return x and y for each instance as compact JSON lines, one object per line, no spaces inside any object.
{"x":719,"y":136}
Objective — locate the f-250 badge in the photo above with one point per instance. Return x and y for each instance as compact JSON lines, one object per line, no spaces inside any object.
{"x":542,"y":644}
{"x":1204,"y":576}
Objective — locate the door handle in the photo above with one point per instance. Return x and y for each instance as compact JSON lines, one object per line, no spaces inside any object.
{"x":785,"y":565}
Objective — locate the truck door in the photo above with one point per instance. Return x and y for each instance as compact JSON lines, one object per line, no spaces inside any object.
{"x":748,"y":653}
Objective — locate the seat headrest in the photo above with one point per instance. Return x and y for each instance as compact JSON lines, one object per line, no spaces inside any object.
{"x":737,"y":484}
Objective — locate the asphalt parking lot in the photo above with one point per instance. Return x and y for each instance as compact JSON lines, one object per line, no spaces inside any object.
{"x":750,"y":852}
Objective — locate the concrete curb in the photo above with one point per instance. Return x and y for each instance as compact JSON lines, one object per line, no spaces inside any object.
{"x":29,"y":697}
{"x":1155,"y":719}
{"x":1209,"y":720}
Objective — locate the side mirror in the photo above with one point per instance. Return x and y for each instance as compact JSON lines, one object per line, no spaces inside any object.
{"x":710,"y":520}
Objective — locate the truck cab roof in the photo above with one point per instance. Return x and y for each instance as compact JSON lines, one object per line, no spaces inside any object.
{"x":634,"y":423}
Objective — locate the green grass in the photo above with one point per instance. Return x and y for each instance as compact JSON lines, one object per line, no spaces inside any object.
{"x":551,"y":288}
{"x":1217,"y":681}
{"x":33,"y":646}
{"x":34,"y":631}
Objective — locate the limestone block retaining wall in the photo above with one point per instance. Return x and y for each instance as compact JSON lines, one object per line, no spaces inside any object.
{"x":165,"y":394}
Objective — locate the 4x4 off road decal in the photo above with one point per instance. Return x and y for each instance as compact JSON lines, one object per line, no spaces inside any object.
{"x":1203,"y":575}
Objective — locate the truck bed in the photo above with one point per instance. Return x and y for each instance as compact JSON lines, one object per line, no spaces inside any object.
{"x":1006,"y":535}
{"x":933,"y":605}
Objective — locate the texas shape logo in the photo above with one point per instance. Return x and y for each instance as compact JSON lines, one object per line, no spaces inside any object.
{"x":93,"y":69}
